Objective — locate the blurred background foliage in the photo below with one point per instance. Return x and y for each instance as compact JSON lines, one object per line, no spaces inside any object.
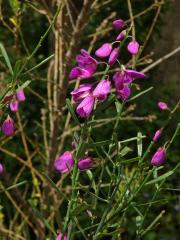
{"x":22,"y":25}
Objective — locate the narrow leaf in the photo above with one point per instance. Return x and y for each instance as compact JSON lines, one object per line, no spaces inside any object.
{"x":164,"y":176}
{"x":4,"y":53}
{"x":71,"y":110}
{"x":24,"y":85}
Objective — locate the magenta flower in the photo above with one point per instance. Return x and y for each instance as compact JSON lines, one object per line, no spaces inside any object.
{"x":124,"y":93}
{"x":159,"y":157}
{"x":59,"y":237}
{"x":163,"y":106}
{"x":1,"y":168}
{"x":8,"y":126}
{"x":85,"y":108}
{"x":87,"y":66}
{"x":81,"y":92}
{"x":113,"y":56}
{"x":134,"y":74}
{"x":64,"y":162}
{"x":157,"y":135}
{"x":102,"y":89}
{"x":121,"y":36}
{"x":104,"y":50}
{"x":85,"y":163}
{"x":122,"y":79}
{"x":133,"y":47}
{"x":127,"y":75}
{"x":14,"y":105}
{"x":118,"y":24}
{"x":20,"y":95}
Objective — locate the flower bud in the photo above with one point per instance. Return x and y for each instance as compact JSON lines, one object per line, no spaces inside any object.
{"x":157,"y":135}
{"x":102,"y":89}
{"x":113,"y":56}
{"x":118,"y":24}
{"x":1,"y":168}
{"x":121,"y":36}
{"x":104,"y":50}
{"x":8,"y":126}
{"x":163,"y":105}
{"x":85,"y":107}
{"x":85,"y":163}
{"x":64,"y":162}
{"x":158,"y":158}
{"x":133,"y":47}
{"x":20,"y":95}
{"x":8,"y":98}
{"x":14,"y":105}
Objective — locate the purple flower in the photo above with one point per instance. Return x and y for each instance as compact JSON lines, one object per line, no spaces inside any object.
{"x":124,"y":93}
{"x":121,"y":36}
{"x":102,"y":89}
{"x":87,"y":66}
{"x":59,"y":237}
{"x":157,"y":135}
{"x":8,"y":126}
{"x":163,"y":106}
{"x":85,"y":108}
{"x":85,"y":163}
{"x":104,"y":50}
{"x":81,"y":92}
{"x":64,"y":162}
{"x":20,"y":95}
{"x":1,"y":168}
{"x":118,"y":24}
{"x":127,"y":76}
{"x":159,"y":157}
{"x":113,"y":56}
{"x":122,"y":79}
{"x":14,"y":105}
{"x":134,"y":74}
{"x":133,"y":47}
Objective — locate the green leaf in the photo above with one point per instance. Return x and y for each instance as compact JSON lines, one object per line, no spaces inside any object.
{"x":136,"y":159}
{"x":81,"y":149}
{"x":102,"y":143}
{"x":125,"y":151}
{"x":24,"y":85}
{"x":71,"y":110}
{"x":164,"y":176}
{"x":118,"y":106}
{"x":4,"y":53}
{"x":15,"y":5}
{"x":91,"y":178}
{"x":139,"y":144}
{"x":15,"y":185}
{"x":41,"y":63}
{"x":141,"y":93}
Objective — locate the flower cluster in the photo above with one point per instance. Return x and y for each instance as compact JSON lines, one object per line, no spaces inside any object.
{"x":13,"y":101}
{"x":86,"y":95}
{"x":65,"y":162}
